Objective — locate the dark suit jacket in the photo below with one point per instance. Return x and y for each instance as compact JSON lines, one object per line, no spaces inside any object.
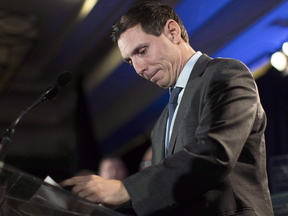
{"x":216,"y":163}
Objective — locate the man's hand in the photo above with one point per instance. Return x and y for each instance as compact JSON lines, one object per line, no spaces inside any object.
{"x":97,"y":189}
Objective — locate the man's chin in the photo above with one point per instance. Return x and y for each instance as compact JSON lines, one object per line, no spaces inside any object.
{"x":161,"y":85}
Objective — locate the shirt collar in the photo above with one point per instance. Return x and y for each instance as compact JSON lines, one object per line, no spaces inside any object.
{"x":185,"y":73}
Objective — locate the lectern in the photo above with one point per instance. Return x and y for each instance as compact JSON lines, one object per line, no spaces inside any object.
{"x":22,"y":194}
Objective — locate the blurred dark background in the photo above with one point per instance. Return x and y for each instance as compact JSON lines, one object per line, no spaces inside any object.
{"x":108,"y":109}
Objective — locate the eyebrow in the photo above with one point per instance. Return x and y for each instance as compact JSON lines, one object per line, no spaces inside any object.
{"x":135,"y":50}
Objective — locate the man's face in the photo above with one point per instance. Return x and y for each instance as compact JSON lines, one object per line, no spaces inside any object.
{"x":112,"y":169}
{"x":154,"y":58}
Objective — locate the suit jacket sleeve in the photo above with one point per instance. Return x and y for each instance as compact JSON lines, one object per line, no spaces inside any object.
{"x":228,"y":111}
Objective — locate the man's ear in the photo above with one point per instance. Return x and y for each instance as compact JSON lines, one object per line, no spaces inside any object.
{"x":172,"y":31}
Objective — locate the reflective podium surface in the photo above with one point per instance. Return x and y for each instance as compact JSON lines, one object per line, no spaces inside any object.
{"x":24,"y":194}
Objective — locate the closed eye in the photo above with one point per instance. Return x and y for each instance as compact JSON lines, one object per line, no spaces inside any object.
{"x":139,"y":50}
{"x":142,"y":51}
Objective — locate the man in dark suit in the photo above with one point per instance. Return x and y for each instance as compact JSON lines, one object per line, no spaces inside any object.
{"x":209,"y":156}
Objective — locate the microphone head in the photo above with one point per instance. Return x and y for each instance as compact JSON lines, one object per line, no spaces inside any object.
{"x":51,"y":94}
{"x":64,"y":78}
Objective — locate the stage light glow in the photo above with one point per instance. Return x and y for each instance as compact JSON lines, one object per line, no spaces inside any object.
{"x":87,"y":7}
{"x":285,"y":48}
{"x":279,"y":61}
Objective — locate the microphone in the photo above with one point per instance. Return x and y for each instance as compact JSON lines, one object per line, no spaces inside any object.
{"x":50,"y":94}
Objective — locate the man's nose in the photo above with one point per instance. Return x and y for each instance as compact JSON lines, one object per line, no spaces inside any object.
{"x":139,"y":66}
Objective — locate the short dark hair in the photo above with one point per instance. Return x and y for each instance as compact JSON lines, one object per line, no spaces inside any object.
{"x":152,"y":16}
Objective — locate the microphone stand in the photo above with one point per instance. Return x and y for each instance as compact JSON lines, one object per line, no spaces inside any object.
{"x":50,"y":94}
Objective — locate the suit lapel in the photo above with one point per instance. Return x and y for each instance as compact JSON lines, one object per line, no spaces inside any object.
{"x":195,"y":75}
{"x":158,"y":151}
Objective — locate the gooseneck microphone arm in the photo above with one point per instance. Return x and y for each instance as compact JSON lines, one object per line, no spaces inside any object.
{"x":50,"y":94}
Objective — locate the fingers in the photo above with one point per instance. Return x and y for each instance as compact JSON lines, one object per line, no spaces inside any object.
{"x":68,"y":182}
{"x":77,"y":189}
{"x":74,"y":181}
{"x":93,"y":198}
{"x":85,"y":193}
{"x":97,"y":189}
{"x":82,"y":185}
{"x":83,"y":190}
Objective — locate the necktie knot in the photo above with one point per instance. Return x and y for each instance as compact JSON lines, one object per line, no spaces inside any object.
{"x":174,"y":95}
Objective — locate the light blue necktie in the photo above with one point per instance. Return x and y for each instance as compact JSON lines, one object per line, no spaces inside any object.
{"x":172,"y":106}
